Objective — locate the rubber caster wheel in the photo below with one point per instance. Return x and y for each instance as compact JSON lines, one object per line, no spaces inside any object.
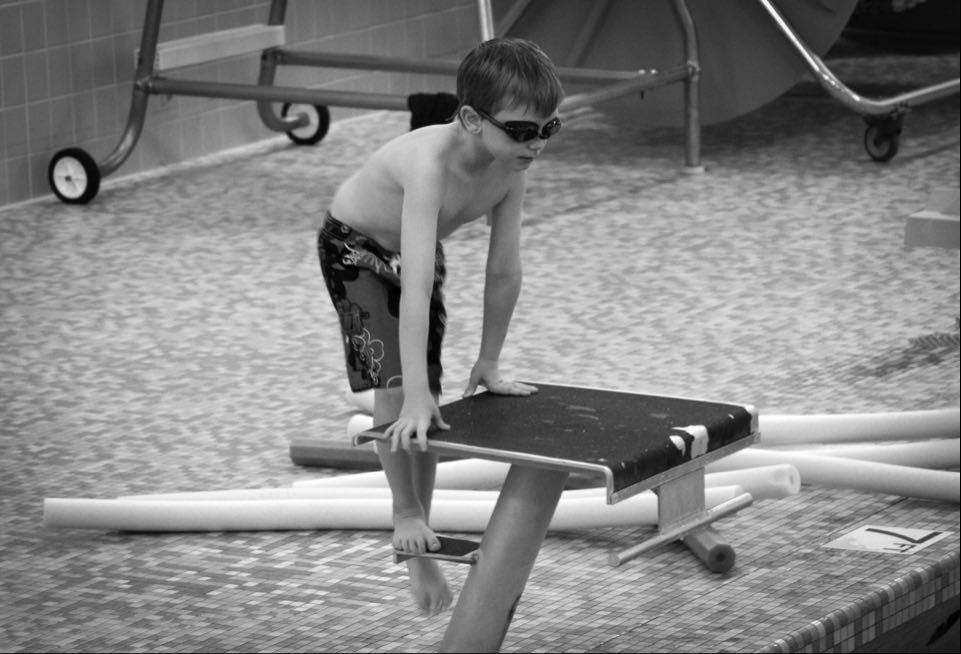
{"x":73,"y":176}
{"x":881,"y":141}
{"x":318,"y":122}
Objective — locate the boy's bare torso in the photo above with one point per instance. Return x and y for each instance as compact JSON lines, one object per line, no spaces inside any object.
{"x":372,"y":200}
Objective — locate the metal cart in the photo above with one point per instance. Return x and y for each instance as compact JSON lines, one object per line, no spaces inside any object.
{"x":884,"y":117}
{"x":75,"y":176}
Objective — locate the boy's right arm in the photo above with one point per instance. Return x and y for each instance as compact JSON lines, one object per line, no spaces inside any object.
{"x":423,"y":191}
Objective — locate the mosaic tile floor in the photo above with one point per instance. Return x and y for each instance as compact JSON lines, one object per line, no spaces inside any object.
{"x":174,"y":335}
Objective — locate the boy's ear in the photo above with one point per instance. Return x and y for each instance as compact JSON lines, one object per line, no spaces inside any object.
{"x":470,"y":119}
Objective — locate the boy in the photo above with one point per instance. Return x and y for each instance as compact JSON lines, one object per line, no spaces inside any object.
{"x":413,"y":192}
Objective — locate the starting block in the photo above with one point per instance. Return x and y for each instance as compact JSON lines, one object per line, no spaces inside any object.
{"x":628,"y":442}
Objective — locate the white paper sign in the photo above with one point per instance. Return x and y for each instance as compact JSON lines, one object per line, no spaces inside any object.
{"x":895,"y":540}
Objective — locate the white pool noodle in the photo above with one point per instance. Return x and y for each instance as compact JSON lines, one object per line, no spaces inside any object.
{"x":306,"y":493}
{"x":364,"y":401}
{"x":769,"y":482}
{"x":593,"y":512}
{"x":480,"y":474}
{"x":934,"y":454}
{"x":359,"y":422}
{"x":476,"y":474}
{"x":859,"y":427}
{"x":274,"y":514}
{"x":766,"y":482}
{"x":839,"y":472}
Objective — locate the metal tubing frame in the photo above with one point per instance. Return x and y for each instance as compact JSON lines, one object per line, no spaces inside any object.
{"x":689,"y":72}
{"x":692,"y":89}
{"x":265,"y":109}
{"x":138,"y":103}
{"x":365,"y":62}
{"x":364,"y":100}
{"x":682,"y":528}
{"x":895,"y":105}
{"x":269,"y":60}
{"x":485,"y":14}
{"x":430,"y":66}
{"x":638,"y":82}
{"x":146,"y":82}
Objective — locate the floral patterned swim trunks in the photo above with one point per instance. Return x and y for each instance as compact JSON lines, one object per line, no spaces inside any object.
{"x":363,"y":279}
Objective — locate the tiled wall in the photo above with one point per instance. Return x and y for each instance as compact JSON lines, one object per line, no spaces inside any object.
{"x":66,"y":73}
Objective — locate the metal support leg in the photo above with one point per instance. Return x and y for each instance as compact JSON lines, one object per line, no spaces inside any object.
{"x":486,"y":15}
{"x":507,"y":553}
{"x":692,"y":93}
{"x":265,"y":108}
{"x":268,"y":69}
{"x":678,"y":501}
{"x":138,"y":103}
{"x":73,"y":174}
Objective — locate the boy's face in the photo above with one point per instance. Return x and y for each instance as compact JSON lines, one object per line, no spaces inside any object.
{"x":504,"y":131}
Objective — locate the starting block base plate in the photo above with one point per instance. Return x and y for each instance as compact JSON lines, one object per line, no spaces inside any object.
{"x":455,"y":550}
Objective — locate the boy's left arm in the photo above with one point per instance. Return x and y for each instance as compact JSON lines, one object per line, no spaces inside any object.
{"x":501,"y":289}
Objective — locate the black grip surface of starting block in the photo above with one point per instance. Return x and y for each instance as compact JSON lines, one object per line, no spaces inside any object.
{"x":627,"y":438}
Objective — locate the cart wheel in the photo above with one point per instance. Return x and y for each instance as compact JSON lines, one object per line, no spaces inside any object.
{"x":882,"y":137}
{"x":73,"y":176}
{"x":316,"y":128}
{"x":881,"y":145}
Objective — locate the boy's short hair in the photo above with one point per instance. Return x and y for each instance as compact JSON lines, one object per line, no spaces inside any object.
{"x":504,"y":73}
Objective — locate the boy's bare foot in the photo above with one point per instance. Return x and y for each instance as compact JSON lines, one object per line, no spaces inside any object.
{"x":411,"y":534}
{"x":428,"y":585}
{"x":427,"y":582}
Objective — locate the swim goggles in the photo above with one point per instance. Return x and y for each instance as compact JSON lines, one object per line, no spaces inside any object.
{"x":523,"y":131}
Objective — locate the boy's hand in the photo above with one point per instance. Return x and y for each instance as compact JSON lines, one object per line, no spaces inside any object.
{"x":485,"y":373}
{"x":418,"y":414}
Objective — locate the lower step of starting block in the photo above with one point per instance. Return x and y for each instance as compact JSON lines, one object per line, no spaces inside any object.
{"x":455,"y":550}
